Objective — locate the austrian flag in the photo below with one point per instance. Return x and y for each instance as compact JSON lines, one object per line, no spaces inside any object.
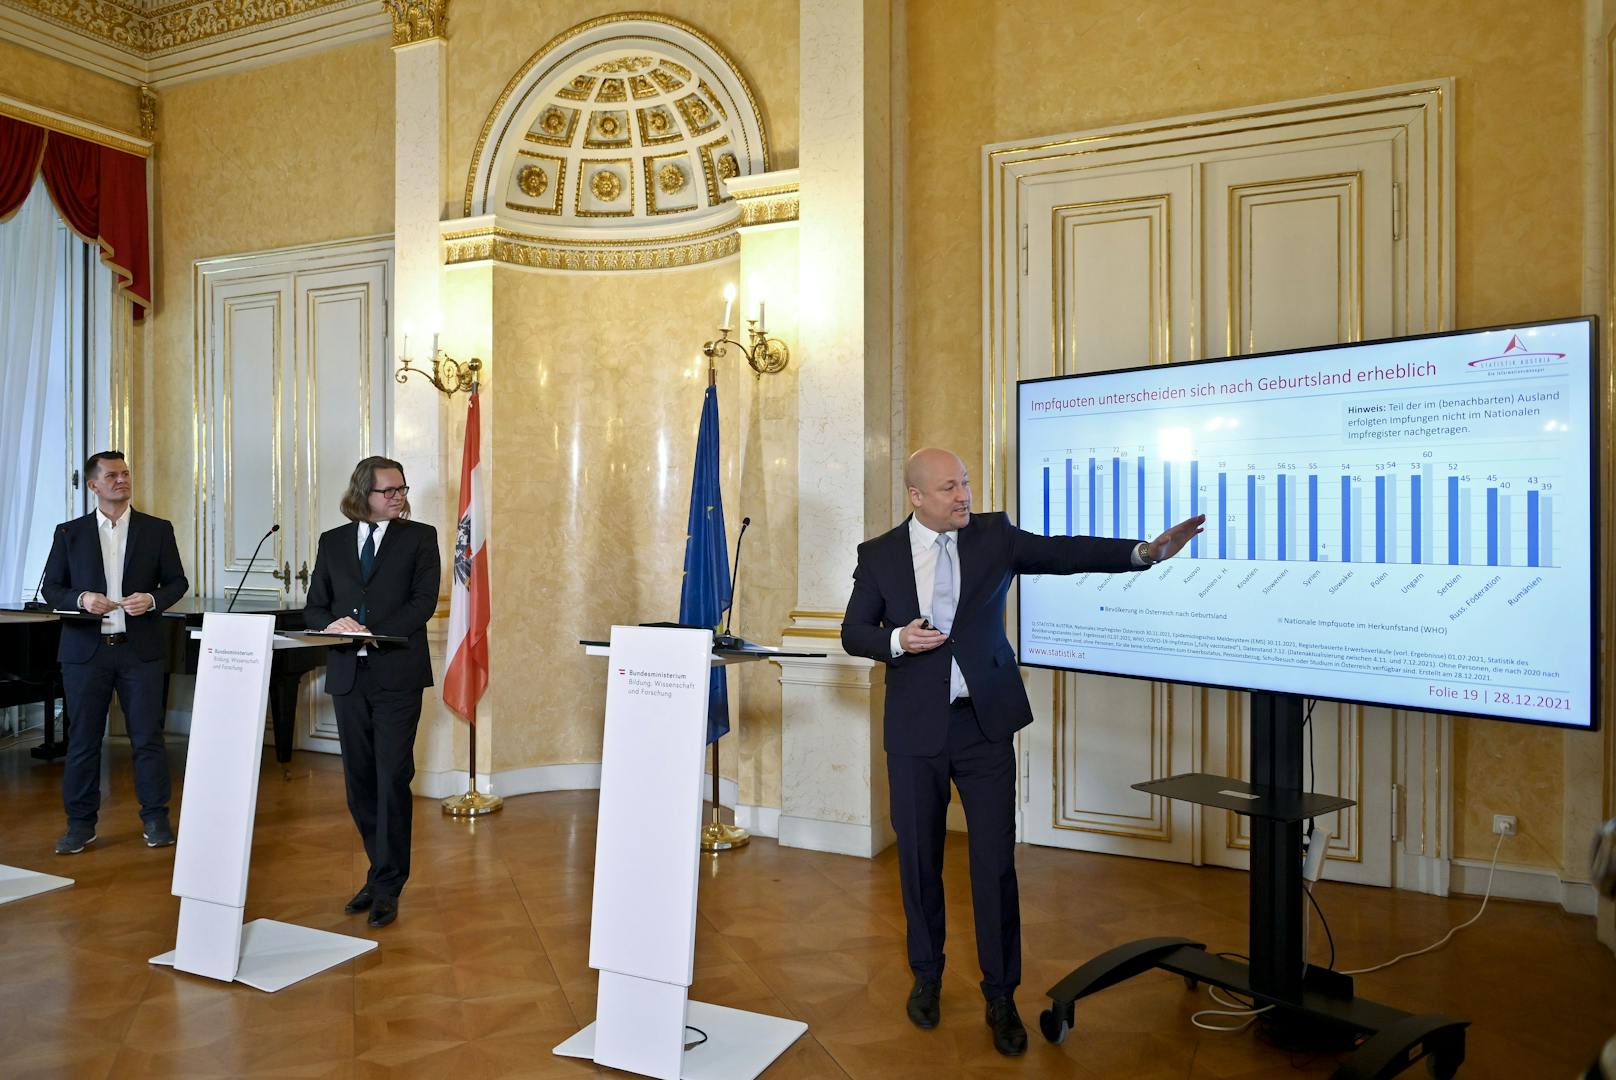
{"x":467,"y":670}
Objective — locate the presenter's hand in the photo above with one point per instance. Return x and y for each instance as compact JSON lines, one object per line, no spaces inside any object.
{"x":137,"y":603}
{"x":1173,"y":540}
{"x":916,"y":638}
{"x":345,"y":625}
{"x":97,"y":603}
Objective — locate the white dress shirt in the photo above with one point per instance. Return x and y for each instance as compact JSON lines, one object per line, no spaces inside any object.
{"x":114,"y":536}
{"x":923,"y":552}
{"x":364,"y":531}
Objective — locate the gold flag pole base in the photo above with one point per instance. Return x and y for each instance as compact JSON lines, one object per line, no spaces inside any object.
{"x":716,"y":836}
{"x":472,"y":804}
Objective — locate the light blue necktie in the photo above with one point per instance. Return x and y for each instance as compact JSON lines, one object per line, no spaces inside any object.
{"x":943,"y":598}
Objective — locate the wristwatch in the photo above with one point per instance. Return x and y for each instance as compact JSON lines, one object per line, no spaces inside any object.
{"x":1142,"y":553}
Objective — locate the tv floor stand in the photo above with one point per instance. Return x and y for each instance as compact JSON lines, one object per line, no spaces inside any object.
{"x":1304,"y":997}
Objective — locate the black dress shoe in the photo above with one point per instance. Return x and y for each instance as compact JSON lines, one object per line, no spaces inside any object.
{"x":1009,"y":1036}
{"x":384,"y":909}
{"x":923,"y":1001}
{"x":360,"y":902}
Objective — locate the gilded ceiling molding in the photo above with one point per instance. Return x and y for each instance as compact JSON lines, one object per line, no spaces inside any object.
{"x":148,"y":112}
{"x":79,"y":129}
{"x":417,"y":20}
{"x":148,"y":28}
{"x":769,"y":199}
{"x":490,"y":243}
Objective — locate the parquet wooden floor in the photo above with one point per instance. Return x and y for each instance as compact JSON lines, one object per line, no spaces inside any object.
{"x":486,"y":970}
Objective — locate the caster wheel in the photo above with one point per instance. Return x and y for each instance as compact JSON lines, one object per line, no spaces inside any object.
{"x":1191,"y":982}
{"x":1055,"y":1028}
{"x":1438,"y":1066}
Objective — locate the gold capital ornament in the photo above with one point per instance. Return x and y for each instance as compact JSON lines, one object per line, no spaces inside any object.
{"x":417,"y":20}
{"x":148,"y":112}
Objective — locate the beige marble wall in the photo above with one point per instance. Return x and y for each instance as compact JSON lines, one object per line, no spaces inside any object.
{"x":295,"y":153}
{"x":981,"y":73}
{"x":490,"y":40}
{"x":595,"y":395}
{"x":43,"y":80}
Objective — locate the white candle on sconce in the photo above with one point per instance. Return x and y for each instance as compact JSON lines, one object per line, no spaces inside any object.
{"x":760,"y":323}
{"x":729,"y":305}
{"x":407,"y":329}
{"x":434,"y":345}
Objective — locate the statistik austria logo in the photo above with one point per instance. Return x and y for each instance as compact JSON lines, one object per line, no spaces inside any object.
{"x":1517,"y":358}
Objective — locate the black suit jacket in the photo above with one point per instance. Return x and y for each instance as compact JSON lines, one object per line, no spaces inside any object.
{"x":399,"y":599}
{"x":992,"y":551}
{"x":151,"y":564}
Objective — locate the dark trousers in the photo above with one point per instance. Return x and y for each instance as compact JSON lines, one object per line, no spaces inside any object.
{"x":89,"y":687}
{"x":377,"y":730}
{"x":985,"y":773}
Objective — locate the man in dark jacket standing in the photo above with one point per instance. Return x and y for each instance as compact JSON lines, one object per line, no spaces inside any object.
{"x":124,"y":566}
{"x":928,"y":601}
{"x":377,"y":574}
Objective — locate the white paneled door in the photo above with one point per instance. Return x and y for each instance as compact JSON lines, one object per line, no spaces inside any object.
{"x":294,"y":391}
{"x":1185,"y":240}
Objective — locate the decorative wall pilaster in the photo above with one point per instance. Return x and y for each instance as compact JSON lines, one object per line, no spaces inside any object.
{"x":833,"y":788}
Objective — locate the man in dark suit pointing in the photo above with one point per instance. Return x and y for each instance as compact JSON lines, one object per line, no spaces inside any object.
{"x":124,"y":566}
{"x":377,"y":574}
{"x":928,"y":601}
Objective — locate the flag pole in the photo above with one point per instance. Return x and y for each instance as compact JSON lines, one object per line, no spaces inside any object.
{"x":472,"y":803}
{"x":716,"y":836}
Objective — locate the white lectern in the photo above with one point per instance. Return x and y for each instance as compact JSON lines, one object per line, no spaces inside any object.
{"x":642,"y":935}
{"x":216,"y":822}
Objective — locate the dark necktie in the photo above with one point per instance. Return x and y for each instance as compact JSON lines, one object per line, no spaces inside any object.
{"x":367,"y":564}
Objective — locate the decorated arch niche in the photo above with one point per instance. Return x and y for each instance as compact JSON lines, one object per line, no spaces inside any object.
{"x":613,"y":148}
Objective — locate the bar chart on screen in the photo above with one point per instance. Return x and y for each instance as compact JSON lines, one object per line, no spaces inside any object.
{"x":1411,"y":519}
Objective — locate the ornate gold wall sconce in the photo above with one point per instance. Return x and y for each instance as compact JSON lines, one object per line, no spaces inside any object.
{"x":449,"y":375}
{"x":766,"y":355}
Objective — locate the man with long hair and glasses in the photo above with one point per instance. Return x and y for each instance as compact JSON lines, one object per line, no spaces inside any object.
{"x":379,"y":575}
{"x":124,"y":566}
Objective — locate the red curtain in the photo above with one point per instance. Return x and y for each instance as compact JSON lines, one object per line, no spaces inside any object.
{"x":100,"y":192}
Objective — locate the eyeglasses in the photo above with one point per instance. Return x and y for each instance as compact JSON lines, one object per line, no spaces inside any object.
{"x":392,"y":492}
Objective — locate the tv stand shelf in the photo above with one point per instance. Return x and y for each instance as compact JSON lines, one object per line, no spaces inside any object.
{"x":1226,"y":793}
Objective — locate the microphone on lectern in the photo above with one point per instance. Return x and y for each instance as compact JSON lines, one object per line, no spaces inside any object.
{"x":726,"y":640}
{"x":36,"y":604}
{"x":273,"y":529}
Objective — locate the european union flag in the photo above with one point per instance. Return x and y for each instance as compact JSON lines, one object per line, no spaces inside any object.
{"x":705,"y":592}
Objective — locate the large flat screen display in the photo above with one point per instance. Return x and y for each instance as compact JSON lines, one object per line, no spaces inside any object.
{"x":1409,"y":523}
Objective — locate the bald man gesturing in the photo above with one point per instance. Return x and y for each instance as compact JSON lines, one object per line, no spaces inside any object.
{"x":928,"y":601}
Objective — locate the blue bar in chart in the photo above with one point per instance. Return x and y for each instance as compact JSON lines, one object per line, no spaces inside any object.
{"x":1346,"y":519}
{"x":1313,"y":517}
{"x":1141,"y":504}
{"x":1380,"y":519}
{"x":1223,"y":515}
{"x":1195,"y":504}
{"x":1116,"y":496}
{"x":1046,"y":501}
{"x":1414,"y":518}
{"x":1167,"y":496}
{"x":1251,"y":516}
{"x":1284,"y":519}
{"x":1532,"y":525}
{"x":1492,"y":526}
{"x":1094,"y":526}
{"x":1069,"y":531}
{"x":1453,"y":521}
